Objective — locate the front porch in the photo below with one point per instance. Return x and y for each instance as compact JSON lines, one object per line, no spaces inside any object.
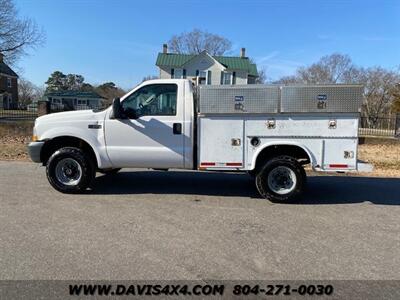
{"x":6,"y":101}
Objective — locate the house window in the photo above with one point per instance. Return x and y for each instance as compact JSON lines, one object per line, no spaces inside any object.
{"x":178,"y":74}
{"x":227,"y":78}
{"x":9,"y":82}
{"x":56,"y":101}
{"x":82,"y":102}
{"x":202,"y":77}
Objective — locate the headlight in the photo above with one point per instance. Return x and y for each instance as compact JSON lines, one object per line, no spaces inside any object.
{"x":34,"y":135}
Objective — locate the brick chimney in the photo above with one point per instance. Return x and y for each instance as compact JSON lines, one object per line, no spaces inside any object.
{"x":1,"y":57}
{"x":164,"y":48}
{"x":243,"y":52}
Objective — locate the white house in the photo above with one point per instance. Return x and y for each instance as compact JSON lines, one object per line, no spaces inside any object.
{"x":207,"y":69}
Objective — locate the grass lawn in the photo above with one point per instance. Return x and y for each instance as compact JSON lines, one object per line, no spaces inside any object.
{"x":384,"y":157}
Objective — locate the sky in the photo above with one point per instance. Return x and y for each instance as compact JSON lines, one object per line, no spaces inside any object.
{"x":118,"y":40}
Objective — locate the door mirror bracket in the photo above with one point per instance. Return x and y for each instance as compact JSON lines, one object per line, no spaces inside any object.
{"x":117,"y":111}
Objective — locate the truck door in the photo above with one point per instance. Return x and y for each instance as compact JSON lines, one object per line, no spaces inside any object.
{"x":152,"y":136}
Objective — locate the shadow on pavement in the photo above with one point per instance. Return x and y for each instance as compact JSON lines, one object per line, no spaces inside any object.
{"x":320,"y":189}
{"x":352,"y":189}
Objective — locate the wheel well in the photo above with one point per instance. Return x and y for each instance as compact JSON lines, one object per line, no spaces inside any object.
{"x":276,"y":150}
{"x":65,"y":141}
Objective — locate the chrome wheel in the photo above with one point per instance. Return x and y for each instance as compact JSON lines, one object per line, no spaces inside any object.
{"x":68,"y":171}
{"x":282,"y":180}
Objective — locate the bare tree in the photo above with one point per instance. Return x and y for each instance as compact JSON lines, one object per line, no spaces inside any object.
{"x":262,"y":76}
{"x":334,"y":68}
{"x":291,"y":79}
{"x":17,"y":34}
{"x":381,"y":91}
{"x":196,"y":41}
{"x":382,"y":88}
{"x":28,"y":92}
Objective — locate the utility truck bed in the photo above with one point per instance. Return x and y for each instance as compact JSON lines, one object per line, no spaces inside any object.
{"x":236,"y":123}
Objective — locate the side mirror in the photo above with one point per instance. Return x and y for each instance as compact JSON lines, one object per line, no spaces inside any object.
{"x":117,"y":109}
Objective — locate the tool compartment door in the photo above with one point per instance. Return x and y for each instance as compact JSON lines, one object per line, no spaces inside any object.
{"x":220,"y":143}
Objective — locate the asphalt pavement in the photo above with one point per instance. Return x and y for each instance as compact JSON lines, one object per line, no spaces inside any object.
{"x":175,"y":225}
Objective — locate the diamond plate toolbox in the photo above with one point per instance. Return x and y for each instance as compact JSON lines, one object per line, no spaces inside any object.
{"x":321,"y":98}
{"x":239,"y":99}
{"x":261,"y":99}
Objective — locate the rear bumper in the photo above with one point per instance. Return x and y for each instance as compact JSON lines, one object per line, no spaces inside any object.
{"x":364,"y":167}
{"x":34,"y":149}
{"x":361,"y":166}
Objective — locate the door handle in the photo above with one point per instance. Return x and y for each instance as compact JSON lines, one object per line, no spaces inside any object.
{"x":177,"y":128}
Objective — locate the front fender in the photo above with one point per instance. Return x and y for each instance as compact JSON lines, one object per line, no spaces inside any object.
{"x":95,"y":141}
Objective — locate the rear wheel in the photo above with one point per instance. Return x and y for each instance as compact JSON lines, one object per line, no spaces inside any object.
{"x":281,"y":179}
{"x":252,"y":173}
{"x":70,"y":170}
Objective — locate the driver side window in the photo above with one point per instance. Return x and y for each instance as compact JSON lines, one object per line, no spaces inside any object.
{"x":152,"y":100}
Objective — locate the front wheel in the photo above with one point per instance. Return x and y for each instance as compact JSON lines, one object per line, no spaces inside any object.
{"x":281,"y":179}
{"x":70,"y":170}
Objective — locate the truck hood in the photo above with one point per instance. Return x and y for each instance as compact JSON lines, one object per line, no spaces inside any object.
{"x":77,"y":115}
{"x":69,"y":123}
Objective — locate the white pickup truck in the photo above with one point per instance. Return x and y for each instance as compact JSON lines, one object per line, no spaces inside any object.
{"x":268,"y":131}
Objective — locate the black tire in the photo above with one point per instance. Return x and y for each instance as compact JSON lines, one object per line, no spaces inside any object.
{"x":81,"y":163}
{"x":252,"y":174}
{"x":109,"y":171}
{"x":288,"y":186}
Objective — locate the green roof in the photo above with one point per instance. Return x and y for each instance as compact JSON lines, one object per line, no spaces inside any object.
{"x":4,"y":69}
{"x":77,"y":94}
{"x":230,"y":62}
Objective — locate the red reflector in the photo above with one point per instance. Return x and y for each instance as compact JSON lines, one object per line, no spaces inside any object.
{"x":339,"y":166}
{"x":233,"y":164}
{"x":207,"y":164}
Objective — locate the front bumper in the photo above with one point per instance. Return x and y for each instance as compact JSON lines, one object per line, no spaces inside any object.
{"x":34,"y":149}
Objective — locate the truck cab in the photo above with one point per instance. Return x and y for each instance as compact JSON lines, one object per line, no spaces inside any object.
{"x":156,"y":128}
